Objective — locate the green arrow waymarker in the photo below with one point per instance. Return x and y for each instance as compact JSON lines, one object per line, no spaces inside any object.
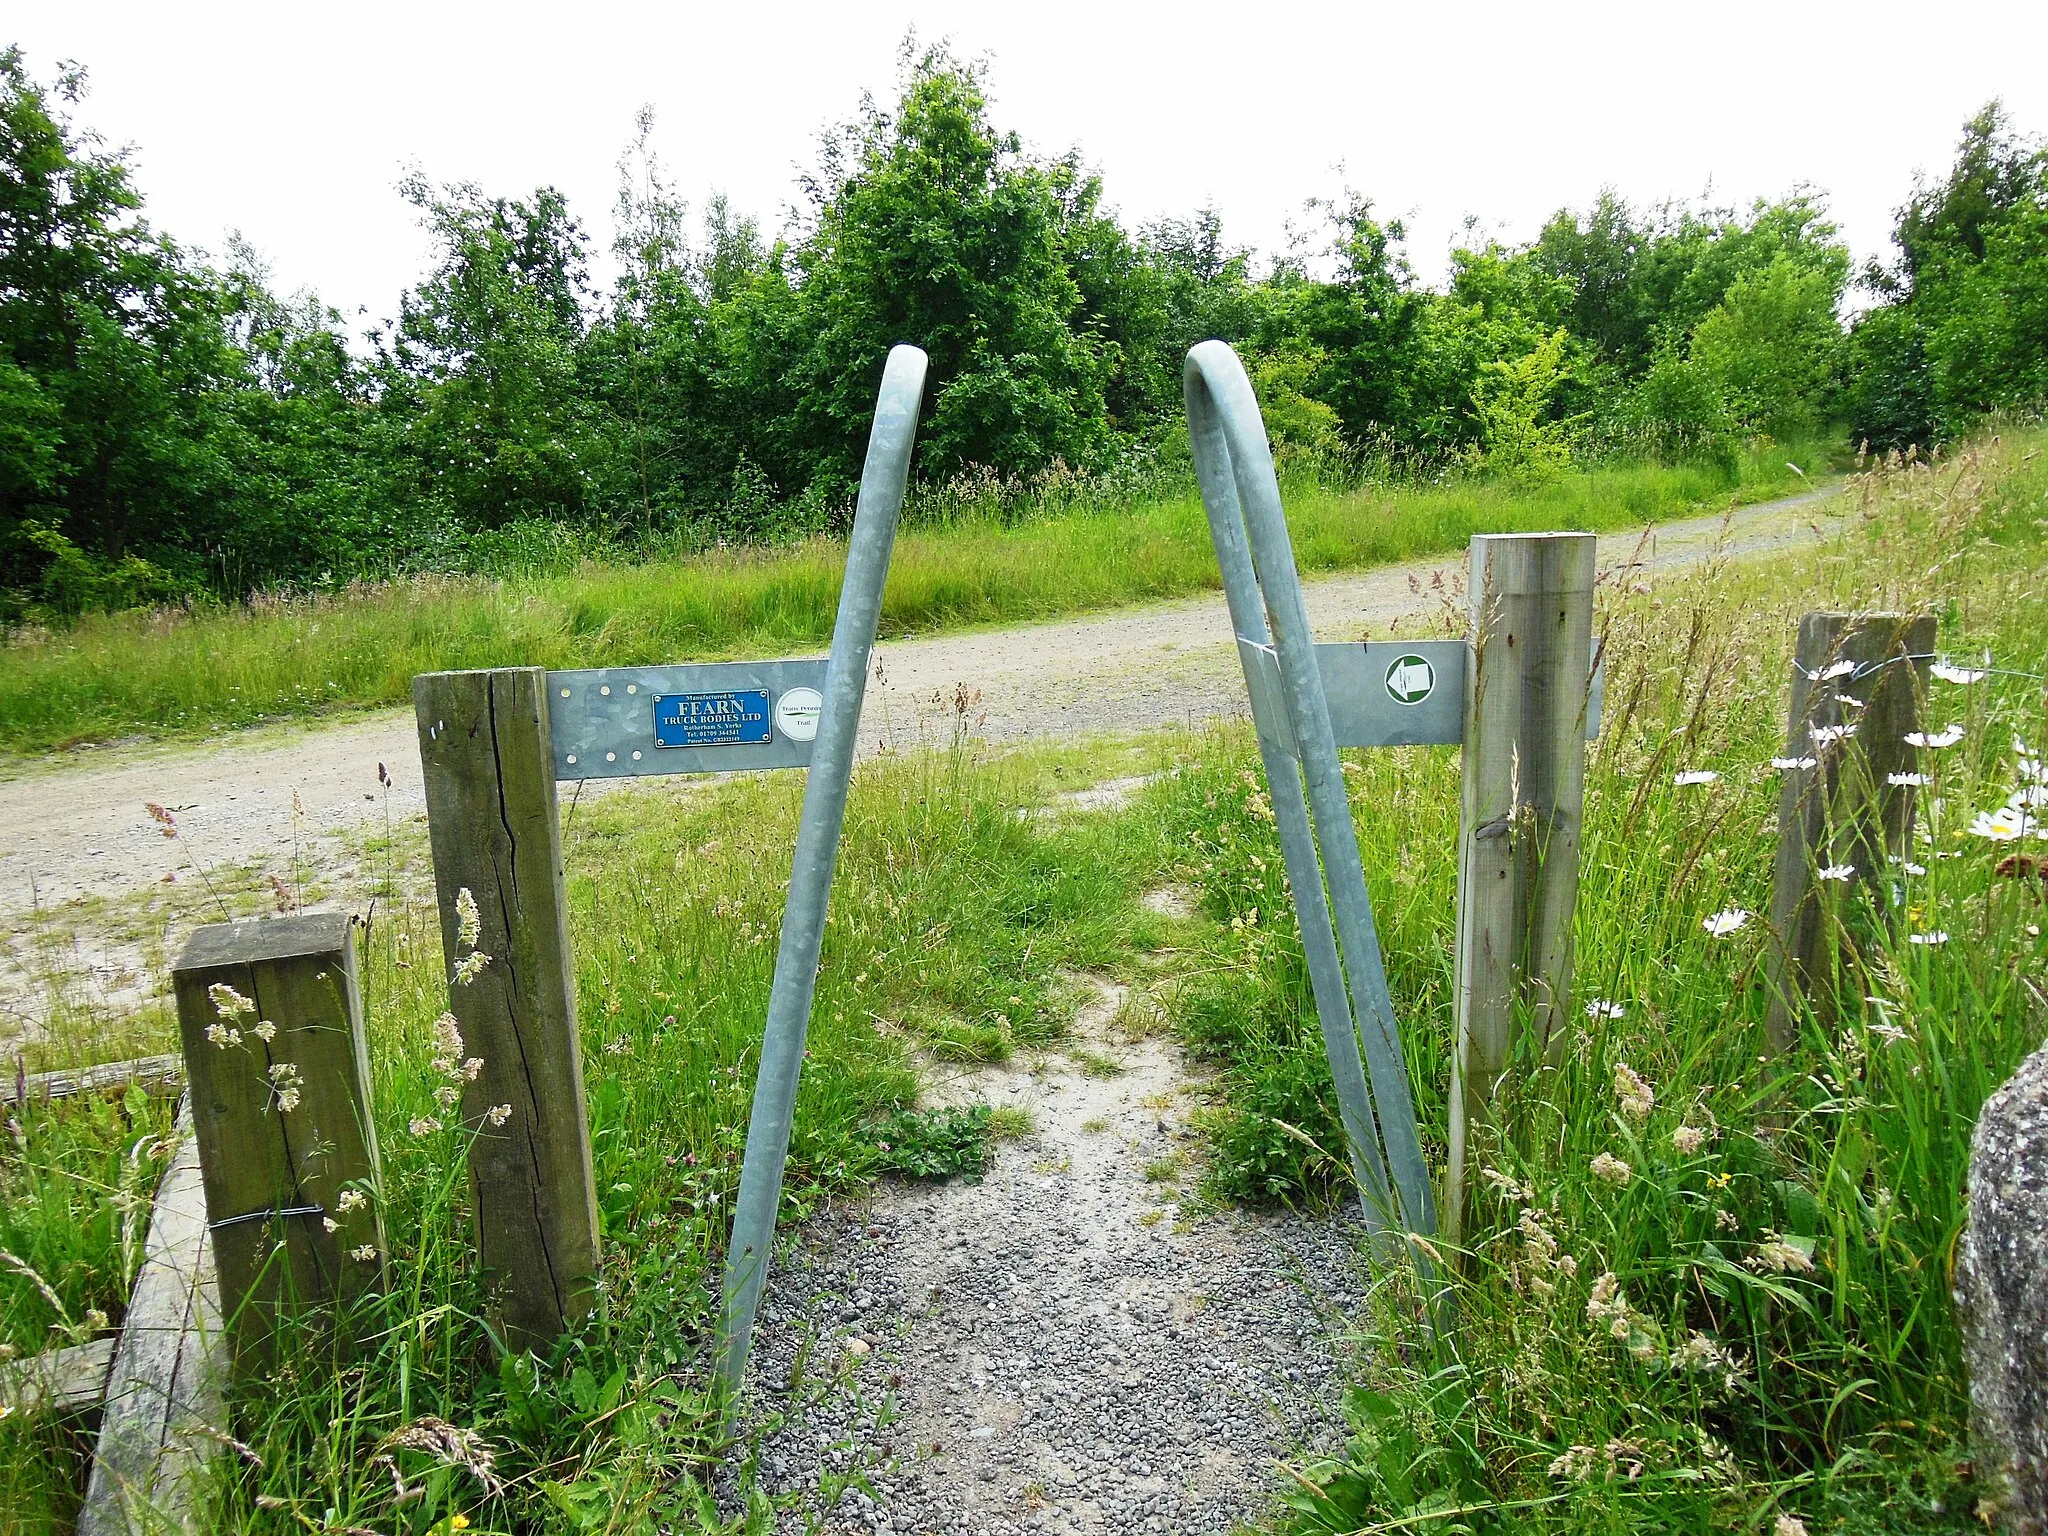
{"x":1410,"y":679}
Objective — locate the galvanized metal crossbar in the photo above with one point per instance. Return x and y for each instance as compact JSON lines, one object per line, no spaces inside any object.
{"x":1292,"y":709}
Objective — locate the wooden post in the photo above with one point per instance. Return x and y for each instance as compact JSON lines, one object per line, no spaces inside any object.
{"x":1523,"y":796}
{"x":490,"y":784}
{"x":1866,"y":672}
{"x":272,"y":1023}
{"x":165,"y":1410}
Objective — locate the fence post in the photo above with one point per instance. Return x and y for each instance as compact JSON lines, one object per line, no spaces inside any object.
{"x":271,"y":1017}
{"x":490,"y":785}
{"x":1868,"y":672}
{"x":1523,"y":794}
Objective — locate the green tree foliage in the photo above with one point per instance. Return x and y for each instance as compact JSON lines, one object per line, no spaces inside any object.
{"x":1963,"y":329}
{"x":170,"y":426}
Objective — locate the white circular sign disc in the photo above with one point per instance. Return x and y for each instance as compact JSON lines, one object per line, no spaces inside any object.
{"x":1410,"y":680}
{"x":797,"y":711}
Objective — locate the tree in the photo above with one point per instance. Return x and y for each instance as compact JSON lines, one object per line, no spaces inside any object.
{"x":933,"y":227}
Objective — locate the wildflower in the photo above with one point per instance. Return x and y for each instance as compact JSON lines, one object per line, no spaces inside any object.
{"x":1635,"y":1096}
{"x":1908,"y":780}
{"x":1721,"y":924}
{"x":166,"y":822}
{"x":1938,"y":936}
{"x":1688,"y":1139}
{"x":469,"y":967}
{"x":1601,"y":1008}
{"x":1836,"y":871}
{"x":423,"y":1125}
{"x":1942,"y":672}
{"x":266,"y":1031}
{"x":1785,"y":764}
{"x":330,"y":1223}
{"x":222,"y":1036}
{"x":446,"y":1095}
{"x":2001,"y":826}
{"x":229,"y":1003}
{"x":469,"y":923}
{"x":1693,"y":776}
{"x":1888,"y":1032}
{"x":1948,"y":736}
{"x":351,"y":1200}
{"x":1781,"y":1256}
{"x":1788,"y":1525}
{"x":287,"y":1100}
{"x":1829,"y":673}
{"x":472,"y":1068}
{"x":1725,"y":1221}
{"x":499,"y":1114}
{"x":366,"y":1254}
{"x":1828,"y":735}
{"x":1612,"y":1169}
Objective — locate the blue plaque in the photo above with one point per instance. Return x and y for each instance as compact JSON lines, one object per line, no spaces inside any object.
{"x":739,"y":718}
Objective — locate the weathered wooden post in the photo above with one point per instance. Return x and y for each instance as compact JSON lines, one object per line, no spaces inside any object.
{"x":490,"y":784}
{"x":272,"y":1024}
{"x":1526,"y":697}
{"x":1857,"y":682}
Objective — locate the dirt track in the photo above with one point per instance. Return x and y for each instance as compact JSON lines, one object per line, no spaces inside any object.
{"x":75,"y":824}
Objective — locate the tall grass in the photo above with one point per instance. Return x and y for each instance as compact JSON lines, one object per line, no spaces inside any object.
{"x":960,"y":564}
{"x":957,"y":923}
{"x":1744,"y":1314}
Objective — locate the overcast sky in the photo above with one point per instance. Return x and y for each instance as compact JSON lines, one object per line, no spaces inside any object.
{"x":292,"y":123}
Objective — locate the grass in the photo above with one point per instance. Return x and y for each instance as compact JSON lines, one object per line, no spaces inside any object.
{"x":1751,"y":1319}
{"x":185,"y":673}
{"x":1834,"y":1395}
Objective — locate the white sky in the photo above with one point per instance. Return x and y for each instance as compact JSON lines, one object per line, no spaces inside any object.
{"x":293,"y":122}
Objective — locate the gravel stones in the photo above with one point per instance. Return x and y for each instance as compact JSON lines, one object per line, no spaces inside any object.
{"x":1054,"y":1349}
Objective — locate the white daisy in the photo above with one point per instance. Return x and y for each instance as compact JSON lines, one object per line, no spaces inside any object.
{"x":2001,"y":825}
{"x":1721,"y":924}
{"x":1694,"y":776}
{"x":1936,"y":937}
{"x":1786,"y":764}
{"x":1947,"y":737}
{"x":1828,"y":735}
{"x":1908,"y":780}
{"x":1941,"y":671}
{"x":1836,"y":871}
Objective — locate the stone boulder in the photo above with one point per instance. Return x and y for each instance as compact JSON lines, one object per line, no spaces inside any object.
{"x":2002,"y":1291}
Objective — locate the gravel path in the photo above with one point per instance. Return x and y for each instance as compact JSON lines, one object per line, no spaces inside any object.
{"x":73,"y":825}
{"x":1059,"y":1348}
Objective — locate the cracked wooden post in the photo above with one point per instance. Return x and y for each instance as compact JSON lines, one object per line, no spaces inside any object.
{"x":271,"y":1019}
{"x":490,"y":784}
{"x":1864,"y":674}
{"x":1526,"y":691}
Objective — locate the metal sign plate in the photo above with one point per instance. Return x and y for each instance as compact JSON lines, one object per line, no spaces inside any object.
{"x":1382,"y":693}
{"x":709,"y":717}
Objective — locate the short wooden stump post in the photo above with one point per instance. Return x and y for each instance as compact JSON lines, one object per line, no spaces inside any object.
{"x":1523,"y":799}
{"x":272,"y":1023}
{"x":1857,"y":683}
{"x":490,"y":782}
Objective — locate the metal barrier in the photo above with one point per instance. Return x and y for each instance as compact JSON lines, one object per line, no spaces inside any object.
{"x":1298,"y":746}
{"x":882,"y":484}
